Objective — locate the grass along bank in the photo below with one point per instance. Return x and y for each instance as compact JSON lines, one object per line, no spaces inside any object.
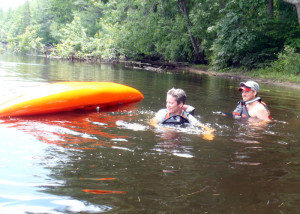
{"x":286,"y":80}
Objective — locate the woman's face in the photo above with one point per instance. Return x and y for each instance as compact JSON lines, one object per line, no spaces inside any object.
{"x":172,"y":106}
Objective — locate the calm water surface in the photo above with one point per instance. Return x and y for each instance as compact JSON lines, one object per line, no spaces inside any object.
{"x":112,"y":161}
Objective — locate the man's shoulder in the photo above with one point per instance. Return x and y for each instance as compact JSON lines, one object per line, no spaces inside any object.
{"x":258,"y":109}
{"x":260,"y":106}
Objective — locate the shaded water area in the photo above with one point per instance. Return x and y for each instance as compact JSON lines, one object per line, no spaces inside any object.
{"x":113,"y":161}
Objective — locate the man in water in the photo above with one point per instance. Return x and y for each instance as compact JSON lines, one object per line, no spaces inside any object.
{"x":177,"y":113}
{"x":251,"y":106}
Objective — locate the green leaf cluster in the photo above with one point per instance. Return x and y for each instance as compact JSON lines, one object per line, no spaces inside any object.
{"x":288,"y":62}
{"x":28,"y":42}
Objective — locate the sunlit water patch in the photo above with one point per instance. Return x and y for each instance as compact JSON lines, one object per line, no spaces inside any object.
{"x":21,"y":188}
{"x":132,"y":126}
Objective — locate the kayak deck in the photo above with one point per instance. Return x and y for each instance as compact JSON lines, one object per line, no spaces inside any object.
{"x":68,"y":96}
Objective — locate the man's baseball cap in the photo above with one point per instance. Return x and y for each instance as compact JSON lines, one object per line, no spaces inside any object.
{"x":247,"y":86}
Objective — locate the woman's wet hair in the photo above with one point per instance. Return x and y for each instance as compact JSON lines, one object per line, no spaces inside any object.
{"x":179,"y":95}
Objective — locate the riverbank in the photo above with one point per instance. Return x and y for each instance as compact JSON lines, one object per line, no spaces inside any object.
{"x":240,"y":76}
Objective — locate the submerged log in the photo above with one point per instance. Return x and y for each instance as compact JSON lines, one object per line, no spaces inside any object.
{"x":165,"y":64}
{"x":149,"y":65}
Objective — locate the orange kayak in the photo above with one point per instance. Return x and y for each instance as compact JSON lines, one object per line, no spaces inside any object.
{"x":68,"y":96}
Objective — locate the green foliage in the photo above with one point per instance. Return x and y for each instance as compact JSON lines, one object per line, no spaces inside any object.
{"x":146,"y":29}
{"x":225,"y":33}
{"x":41,"y":20}
{"x":72,"y":38}
{"x":19,"y":20}
{"x":288,"y":62}
{"x":28,"y":42}
{"x":89,"y":15}
{"x":286,"y":68}
{"x":61,"y":10}
{"x":248,"y":37}
{"x":75,"y":42}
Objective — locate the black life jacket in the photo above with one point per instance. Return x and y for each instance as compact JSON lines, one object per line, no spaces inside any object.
{"x":176,"y":119}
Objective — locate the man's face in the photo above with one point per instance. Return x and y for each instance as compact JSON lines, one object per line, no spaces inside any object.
{"x":172,"y":106}
{"x":248,"y":95}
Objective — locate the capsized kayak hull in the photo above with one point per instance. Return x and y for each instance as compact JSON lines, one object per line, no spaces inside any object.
{"x":68,"y":96}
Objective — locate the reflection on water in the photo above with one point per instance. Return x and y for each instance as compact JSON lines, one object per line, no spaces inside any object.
{"x":114,"y":161}
{"x":75,"y":130}
{"x":172,"y":142}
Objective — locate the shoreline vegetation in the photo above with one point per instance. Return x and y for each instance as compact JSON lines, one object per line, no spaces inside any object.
{"x":254,"y":38}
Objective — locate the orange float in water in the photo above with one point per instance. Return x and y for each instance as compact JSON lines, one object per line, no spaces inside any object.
{"x":97,"y":191}
{"x":68,"y":96}
{"x":98,"y":179}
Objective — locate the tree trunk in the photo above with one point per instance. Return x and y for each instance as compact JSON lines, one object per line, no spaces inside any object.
{"x":297,"y":4}
{"x":270,"y":8}
{"x":184,"y":11}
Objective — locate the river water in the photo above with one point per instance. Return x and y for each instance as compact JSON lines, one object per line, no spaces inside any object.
{"x":113,"y":161}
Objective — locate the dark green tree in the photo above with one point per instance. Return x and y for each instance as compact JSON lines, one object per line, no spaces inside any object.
{"x":251,"y":33}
